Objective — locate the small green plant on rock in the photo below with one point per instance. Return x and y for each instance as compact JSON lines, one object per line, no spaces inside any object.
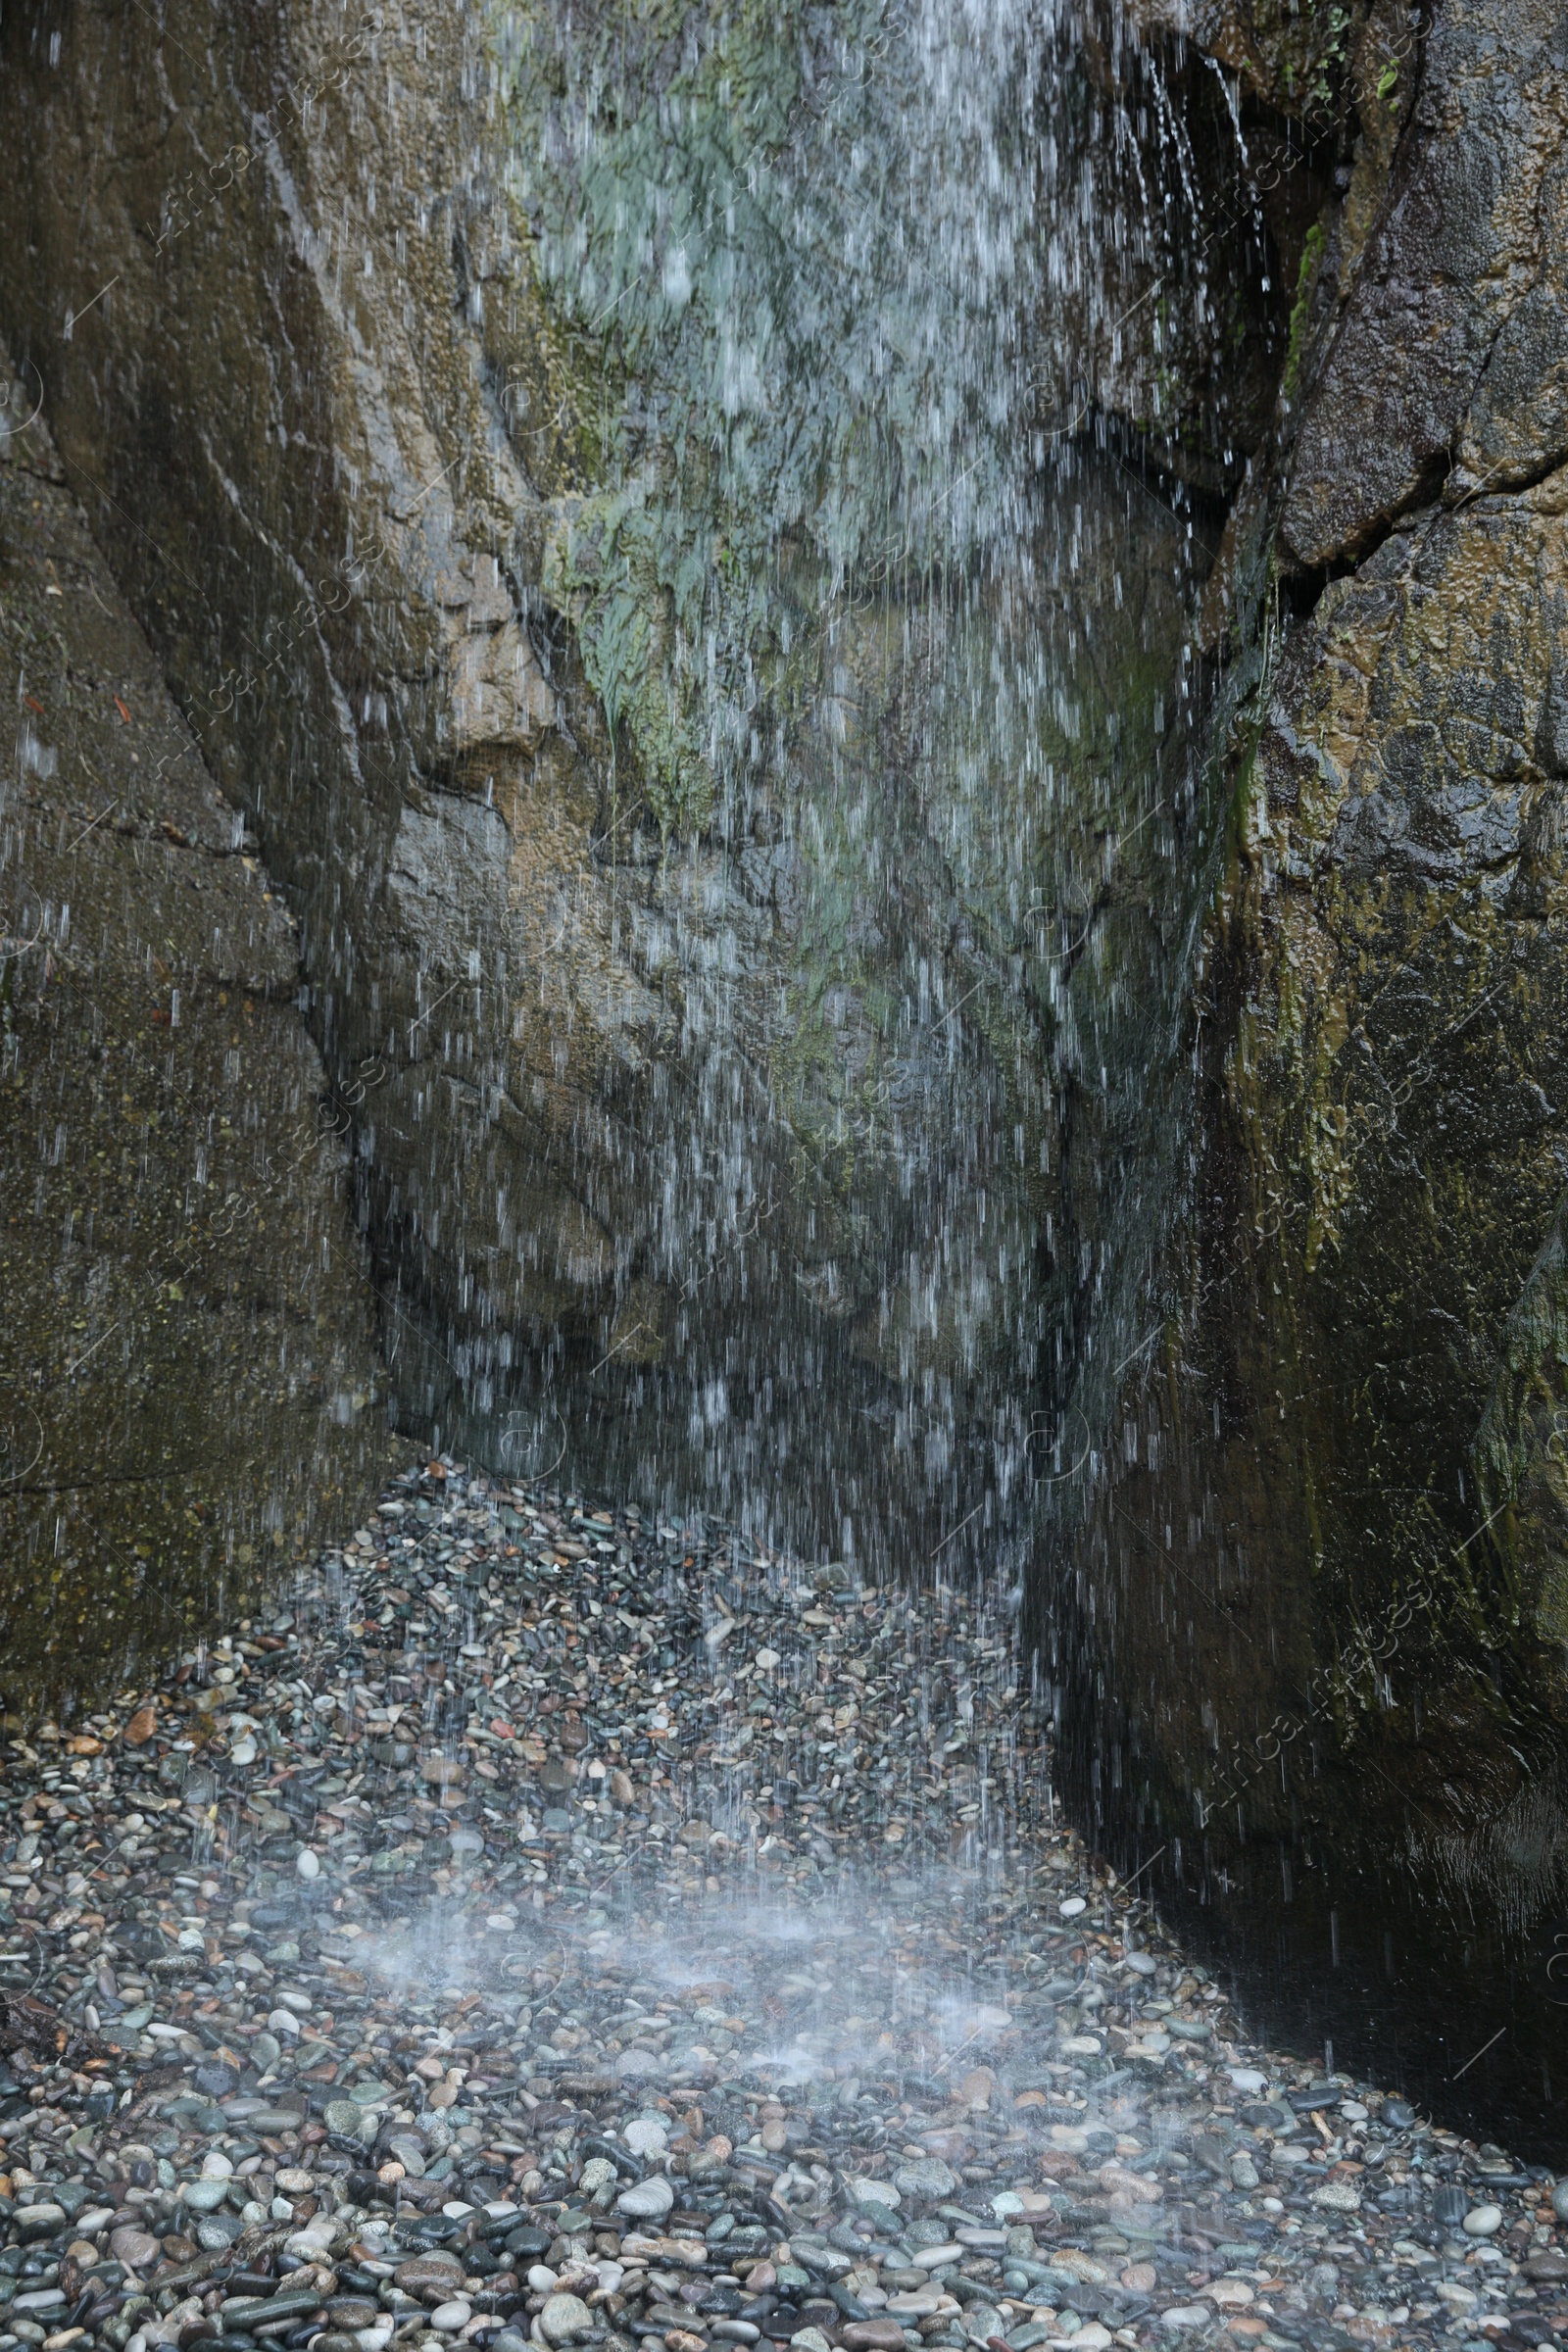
{"x":1306,"y":279}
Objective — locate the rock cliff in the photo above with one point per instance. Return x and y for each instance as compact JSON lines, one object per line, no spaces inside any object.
{"x":683,"y":540}
{"x":187,"y":1353}
{"x":576,"y":533}
{"x":1327,"y":1553}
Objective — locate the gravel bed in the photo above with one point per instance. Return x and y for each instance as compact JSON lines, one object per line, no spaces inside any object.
{"x":558,"y":1928}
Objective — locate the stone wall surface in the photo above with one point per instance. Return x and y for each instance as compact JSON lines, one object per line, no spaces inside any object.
{"x":740,"y":798}
{"x":719,"y":1004}
{"x":1326,"y":1559}
{"x":188,"y":1368}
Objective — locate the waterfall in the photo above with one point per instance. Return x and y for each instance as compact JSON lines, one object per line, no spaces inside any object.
{"x":818,"y":336}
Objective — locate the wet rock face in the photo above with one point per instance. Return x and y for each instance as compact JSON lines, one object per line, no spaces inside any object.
{"x":719,"y":981}
{"x":1451,"y":344}
{"x":187,"y":1366}
{"x":788,"y":1112}
{"x":1327,"y":1564}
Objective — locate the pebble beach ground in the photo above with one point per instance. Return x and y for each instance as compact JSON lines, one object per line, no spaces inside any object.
{"x":557,"y":1928}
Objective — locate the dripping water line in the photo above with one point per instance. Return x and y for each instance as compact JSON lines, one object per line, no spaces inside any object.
{"x":1142,"y":1867}
{"x":163,"y":32}
{"x":72,"y":846}
{"x":958,"y":1531}
{"x":1145,"y":1342}
{"x":420,"y":1018}
{"x":624,"y":1340}
{"x":1481,"y":2053}
{"x":73,"y":315}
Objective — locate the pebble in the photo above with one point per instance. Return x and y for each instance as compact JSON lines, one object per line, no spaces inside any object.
{"x":552,"y":1925}
{"x":928,"y":2178}
{"x":649,"y":2200}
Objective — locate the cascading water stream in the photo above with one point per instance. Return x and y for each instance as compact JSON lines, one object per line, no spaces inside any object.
{"x":801,"y":326}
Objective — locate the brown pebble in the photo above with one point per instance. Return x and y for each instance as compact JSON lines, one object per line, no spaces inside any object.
{"x":134,"y":2247}
{"x":426,"y":2269}
{"x":353,"y":2311}
{"x":872,"y":2335}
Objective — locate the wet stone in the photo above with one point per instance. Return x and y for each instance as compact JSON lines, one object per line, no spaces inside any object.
{"x":711,"y":2065}
{"x":647,"y":2200}
{"x":565,"y":2318}
{"x":39,"y":2220}
{"x":349,"y":2118}
{"x":927,"y":2177}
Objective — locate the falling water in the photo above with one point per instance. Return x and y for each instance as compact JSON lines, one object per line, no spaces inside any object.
{"x":768,"y":1074}
{"x":804,"y":328}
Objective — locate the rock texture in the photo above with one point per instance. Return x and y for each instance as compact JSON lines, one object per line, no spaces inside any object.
{"x":723,"y":1008}
{"x":746,"y":854}
{"x":1448,"y":362}
{"x":1327,"y":1560}
{"x":187,"y":1353}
